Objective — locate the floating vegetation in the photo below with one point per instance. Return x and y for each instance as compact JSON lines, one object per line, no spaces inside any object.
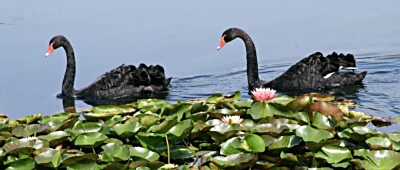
{"x":220,"y":132}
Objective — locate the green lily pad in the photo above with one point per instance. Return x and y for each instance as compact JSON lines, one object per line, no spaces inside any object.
{"x":206,"y":126}
{"x":112,"y":109}
{"x":320,"y":121}
{"x":284,"y":143}
{"x":90,"y":140}
{"x":271,"y":129}
{"x":55,"y":138}
{"x":302,"y":117}
{"x":58,"y":125}
{"x":357,"y":133}
{"x":223,"y":132}
{"x":220,"y":113}
{"x":236,"y":161}
{"x":247,"y":125}
{"x":23,"y":164}
{"x":379,"y":143}
{"x":324,"y":108}
{"x":30,"y":119}
{"x":126,"y":130}
{"x":147,"y":120}
{"x":179,"y":153}
{"x":378,"y":159}
{"x":60,"y":117}
{"x":50,"y":158}
{"x":152,"y":104}
{"x":153,"y":143}
{"x":115,"y":119}
{"x":165,"y":126}
{"x":181,"y":130}
{"x":250,"y":143}
{"x":299,"y":104}
{"x":140,"y":153}
{"x":288,"y":156}
{"x":334,"y":154}
{"x":27,"y":131}
{"x":310,"y":134}
{"x":84,"y":164}
{"x":176,"y":110}
{"x":115,"y":153}
{"x":243,"y":103}
{"x":89,"y":127}
{"x":24,"y":146}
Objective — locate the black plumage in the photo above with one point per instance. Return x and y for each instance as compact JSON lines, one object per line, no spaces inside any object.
{"x":122,"y":81}
{"x":315,"y":71}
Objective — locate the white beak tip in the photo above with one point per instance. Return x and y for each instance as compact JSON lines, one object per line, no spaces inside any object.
{"x":47,"y":54}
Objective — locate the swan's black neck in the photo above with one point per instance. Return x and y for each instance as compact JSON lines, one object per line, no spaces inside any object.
{"x":252,"y":65}
{"x":69,"y":76}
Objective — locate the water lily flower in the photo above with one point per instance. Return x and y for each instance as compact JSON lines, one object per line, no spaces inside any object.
{"x":232,"y":120}
{"x":263,"y":94}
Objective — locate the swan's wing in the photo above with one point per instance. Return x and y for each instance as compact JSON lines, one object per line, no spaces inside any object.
{"x":130,"y":75}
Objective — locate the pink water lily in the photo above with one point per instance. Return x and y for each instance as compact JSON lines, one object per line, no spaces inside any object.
{"x":232,"y":120}
{"x":263,"y":94}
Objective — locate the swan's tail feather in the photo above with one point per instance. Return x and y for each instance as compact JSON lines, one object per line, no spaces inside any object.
{"x":346,"y":62}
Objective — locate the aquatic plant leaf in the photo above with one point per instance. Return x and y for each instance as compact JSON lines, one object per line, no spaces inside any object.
{"x":164,"y":126}
{"x":282,"y":99}
{"x":257,"y":111}
{"x":176,"y":110}
{"x":29,"y":130}
{"x":247,"y":125}
{"x":22,"y":164}
{"x":206,"y":126}
{"x":68,"y":159}
{"x":395,"y":136}
{"x":57,"y":125}
{"x":50,"y":158}
{"x":115,"y":166}
{"x":147,"y":120}
{"x":144,"y":165}
{"x":223,"y":132}
{"x":112,"y":109}
{"x":90,"y":140}
{"x":139,"y":153}
{"x":379,"y":143}
{"x":315,"y":147}
{"x":24,"y":146}
{"x":320,"y":121}
{"x":153,"y":143}
{"x":181,"y":130}
{"x":55,"y":138}
{"x":30,"y":119}
{"x":299,"y":104}
{"x":126,"y":130}
{"x":229,"y":147}
{"x":115,"y":119}
{"x":60,"y":117}
{"x":378,"y":159}
{"x":358,"y":133}
{"x":309,"y":134}
{"x":152,"y":104}
{"x":181,"y":153}
{"x":236,"y":161}
{"x":84,"y":164}
{"x":115,"y":153}
{"x":334,"y":154}
{"x":243,"y":103}
{"x":323,"y":108}
{"x":285,"y":142}
{"x":113,"y":140}
{"x":270,"y":129}
{"x":341,"y":165}
{"x":213,"y":98}
{"x":288,"y":156}
{"x":89,"y":127}
{"x":302,"y":117}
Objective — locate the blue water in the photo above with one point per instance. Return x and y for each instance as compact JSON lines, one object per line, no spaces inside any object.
{"x":183,"y":36}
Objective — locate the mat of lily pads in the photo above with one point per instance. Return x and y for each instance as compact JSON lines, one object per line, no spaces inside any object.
{"x":220,"y":132}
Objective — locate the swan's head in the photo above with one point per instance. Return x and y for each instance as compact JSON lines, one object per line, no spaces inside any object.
{"x":228,"y":35}
{"x":55,"y":42}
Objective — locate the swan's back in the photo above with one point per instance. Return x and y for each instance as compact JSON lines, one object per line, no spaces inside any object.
{"x":317,"y":71}
{"x":127,"y":80}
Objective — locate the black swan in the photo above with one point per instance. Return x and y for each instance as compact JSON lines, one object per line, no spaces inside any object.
{"x":122,"y":81}
{"x":313,"y":72}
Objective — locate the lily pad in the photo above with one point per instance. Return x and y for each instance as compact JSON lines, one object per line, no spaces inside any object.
{"x":378,"y":159}
{"x":126,"y":130}
{"x":90,"y":140}
{"x":181,"y":130}
{"x":115,"y":153}
{"x":89,"y":127}
{"x":112,"y":109}
{"x":223,"y":132}
{"x":55,"y":138}
{"x":51,"y":158}
{"x":84,"y":164}
{"x":310,"y":134}
{"x":236,"y":161}
{"x":334,"y":154}
{"x":140,"y":153}
{"x":23,"y":164}
{"x":271,"y":129}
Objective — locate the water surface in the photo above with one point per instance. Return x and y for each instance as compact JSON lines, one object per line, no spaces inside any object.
{"x":183,"y":38}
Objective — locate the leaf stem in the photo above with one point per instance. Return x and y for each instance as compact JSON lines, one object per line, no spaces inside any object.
{"x":166,"y":140}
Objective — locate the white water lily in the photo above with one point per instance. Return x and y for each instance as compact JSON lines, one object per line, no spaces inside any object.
{"x":232,"y":120}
